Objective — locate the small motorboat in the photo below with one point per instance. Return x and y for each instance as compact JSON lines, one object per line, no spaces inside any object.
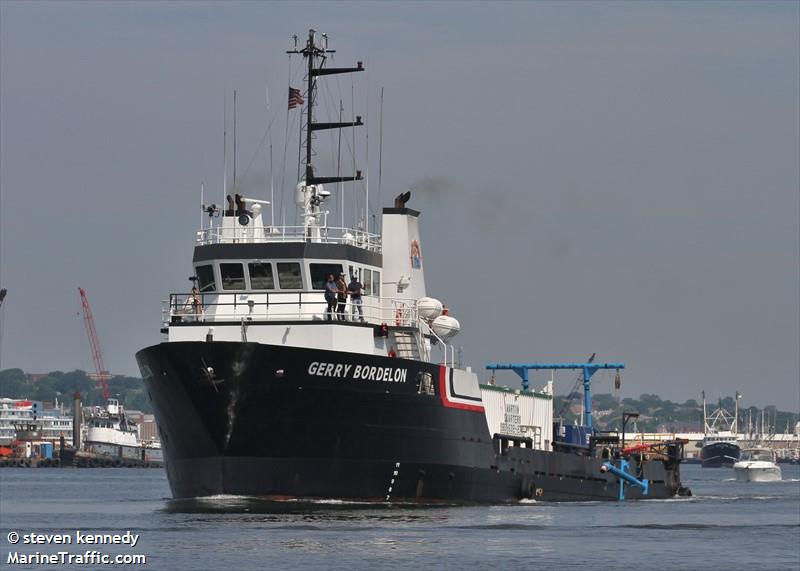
{"x":757,"y":465}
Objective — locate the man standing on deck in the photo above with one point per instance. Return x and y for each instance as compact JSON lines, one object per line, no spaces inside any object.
{"x":330,"y":297}
{"x":341,"y":295}
{"x":354,"y":289}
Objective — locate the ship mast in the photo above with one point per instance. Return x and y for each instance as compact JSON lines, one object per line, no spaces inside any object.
{"x":705,"y":414}
{"x":312,"y":52}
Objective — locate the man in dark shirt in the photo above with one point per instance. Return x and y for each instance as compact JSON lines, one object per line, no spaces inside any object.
{"x":355,"y":289}
{"x":330,"y":296}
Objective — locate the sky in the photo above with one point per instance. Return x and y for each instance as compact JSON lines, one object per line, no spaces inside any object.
{"x":611,"y":178}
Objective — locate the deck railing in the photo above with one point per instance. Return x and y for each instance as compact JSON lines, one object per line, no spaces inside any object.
{"x":260,"y":307}
{"x":280,"y":234}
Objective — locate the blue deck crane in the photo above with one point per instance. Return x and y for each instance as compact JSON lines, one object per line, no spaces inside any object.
{"x":588,"y":370}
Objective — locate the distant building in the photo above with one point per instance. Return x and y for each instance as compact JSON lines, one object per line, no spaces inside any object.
{"x":15,"y":411}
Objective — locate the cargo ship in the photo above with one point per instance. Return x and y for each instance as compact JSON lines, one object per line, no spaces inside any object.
{"x":273,"y":381}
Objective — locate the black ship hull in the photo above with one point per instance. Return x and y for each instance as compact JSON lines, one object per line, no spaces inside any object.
{"x":284,"y":422}
{"x":720,"y":454}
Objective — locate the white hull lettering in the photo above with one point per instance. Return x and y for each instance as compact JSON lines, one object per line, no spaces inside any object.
{"x":358,"y":372}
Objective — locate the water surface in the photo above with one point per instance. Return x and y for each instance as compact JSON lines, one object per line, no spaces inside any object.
{"x":725,"y":525}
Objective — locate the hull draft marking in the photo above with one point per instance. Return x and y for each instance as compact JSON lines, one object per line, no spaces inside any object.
{"x":391,"y":483}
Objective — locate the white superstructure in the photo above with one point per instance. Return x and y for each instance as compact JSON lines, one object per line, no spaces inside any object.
{"x":266,"y":284}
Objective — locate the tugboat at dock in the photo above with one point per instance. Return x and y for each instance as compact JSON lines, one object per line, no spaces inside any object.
{"x":112,"y":435}
{"x":264,"y":387}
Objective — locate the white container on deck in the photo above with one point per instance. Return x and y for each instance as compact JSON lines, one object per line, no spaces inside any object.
{"x":519,"y":413}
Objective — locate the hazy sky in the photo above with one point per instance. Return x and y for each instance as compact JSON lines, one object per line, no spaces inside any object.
{"x":619,"y":178}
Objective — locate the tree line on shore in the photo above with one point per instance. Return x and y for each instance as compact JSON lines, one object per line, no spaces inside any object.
{"x":658,"y":415}
{"x":61,"y":386}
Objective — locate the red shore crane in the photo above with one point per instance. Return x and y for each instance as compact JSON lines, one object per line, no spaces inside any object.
{"x":102,"y":375}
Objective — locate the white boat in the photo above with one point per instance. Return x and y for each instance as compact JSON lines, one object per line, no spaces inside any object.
{"x":757,"y":465}
{"x":111,"y":433}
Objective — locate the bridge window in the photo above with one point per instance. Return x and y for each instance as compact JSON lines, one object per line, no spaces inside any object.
{"x":289,"y":276}
{"x":261,"y":276}
{"x":367,"y":281}
{"x":320,"y":273}
{"x":205,"y":278}
{"x":376,"y":283}
{"x":232,"y":276}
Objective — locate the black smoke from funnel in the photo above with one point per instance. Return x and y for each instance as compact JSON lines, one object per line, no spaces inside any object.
{"x":487,"y":209}
{"x":435,"y":188}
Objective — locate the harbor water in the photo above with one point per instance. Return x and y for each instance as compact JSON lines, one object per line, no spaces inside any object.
{"x":725,"y":525}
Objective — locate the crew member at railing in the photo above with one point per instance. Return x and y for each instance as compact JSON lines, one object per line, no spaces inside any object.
{"x":341,"y":297}
{"x":330,"y":297}
{"x":197,"y":304}
{"x":355,"y":289}
{"x":192,"y":303}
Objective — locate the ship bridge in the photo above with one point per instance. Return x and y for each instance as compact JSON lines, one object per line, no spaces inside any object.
{"x":262,"y":283}
{"x":246,"y":270}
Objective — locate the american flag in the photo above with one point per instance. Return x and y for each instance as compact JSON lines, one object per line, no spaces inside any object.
{"x":295,"y":98}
